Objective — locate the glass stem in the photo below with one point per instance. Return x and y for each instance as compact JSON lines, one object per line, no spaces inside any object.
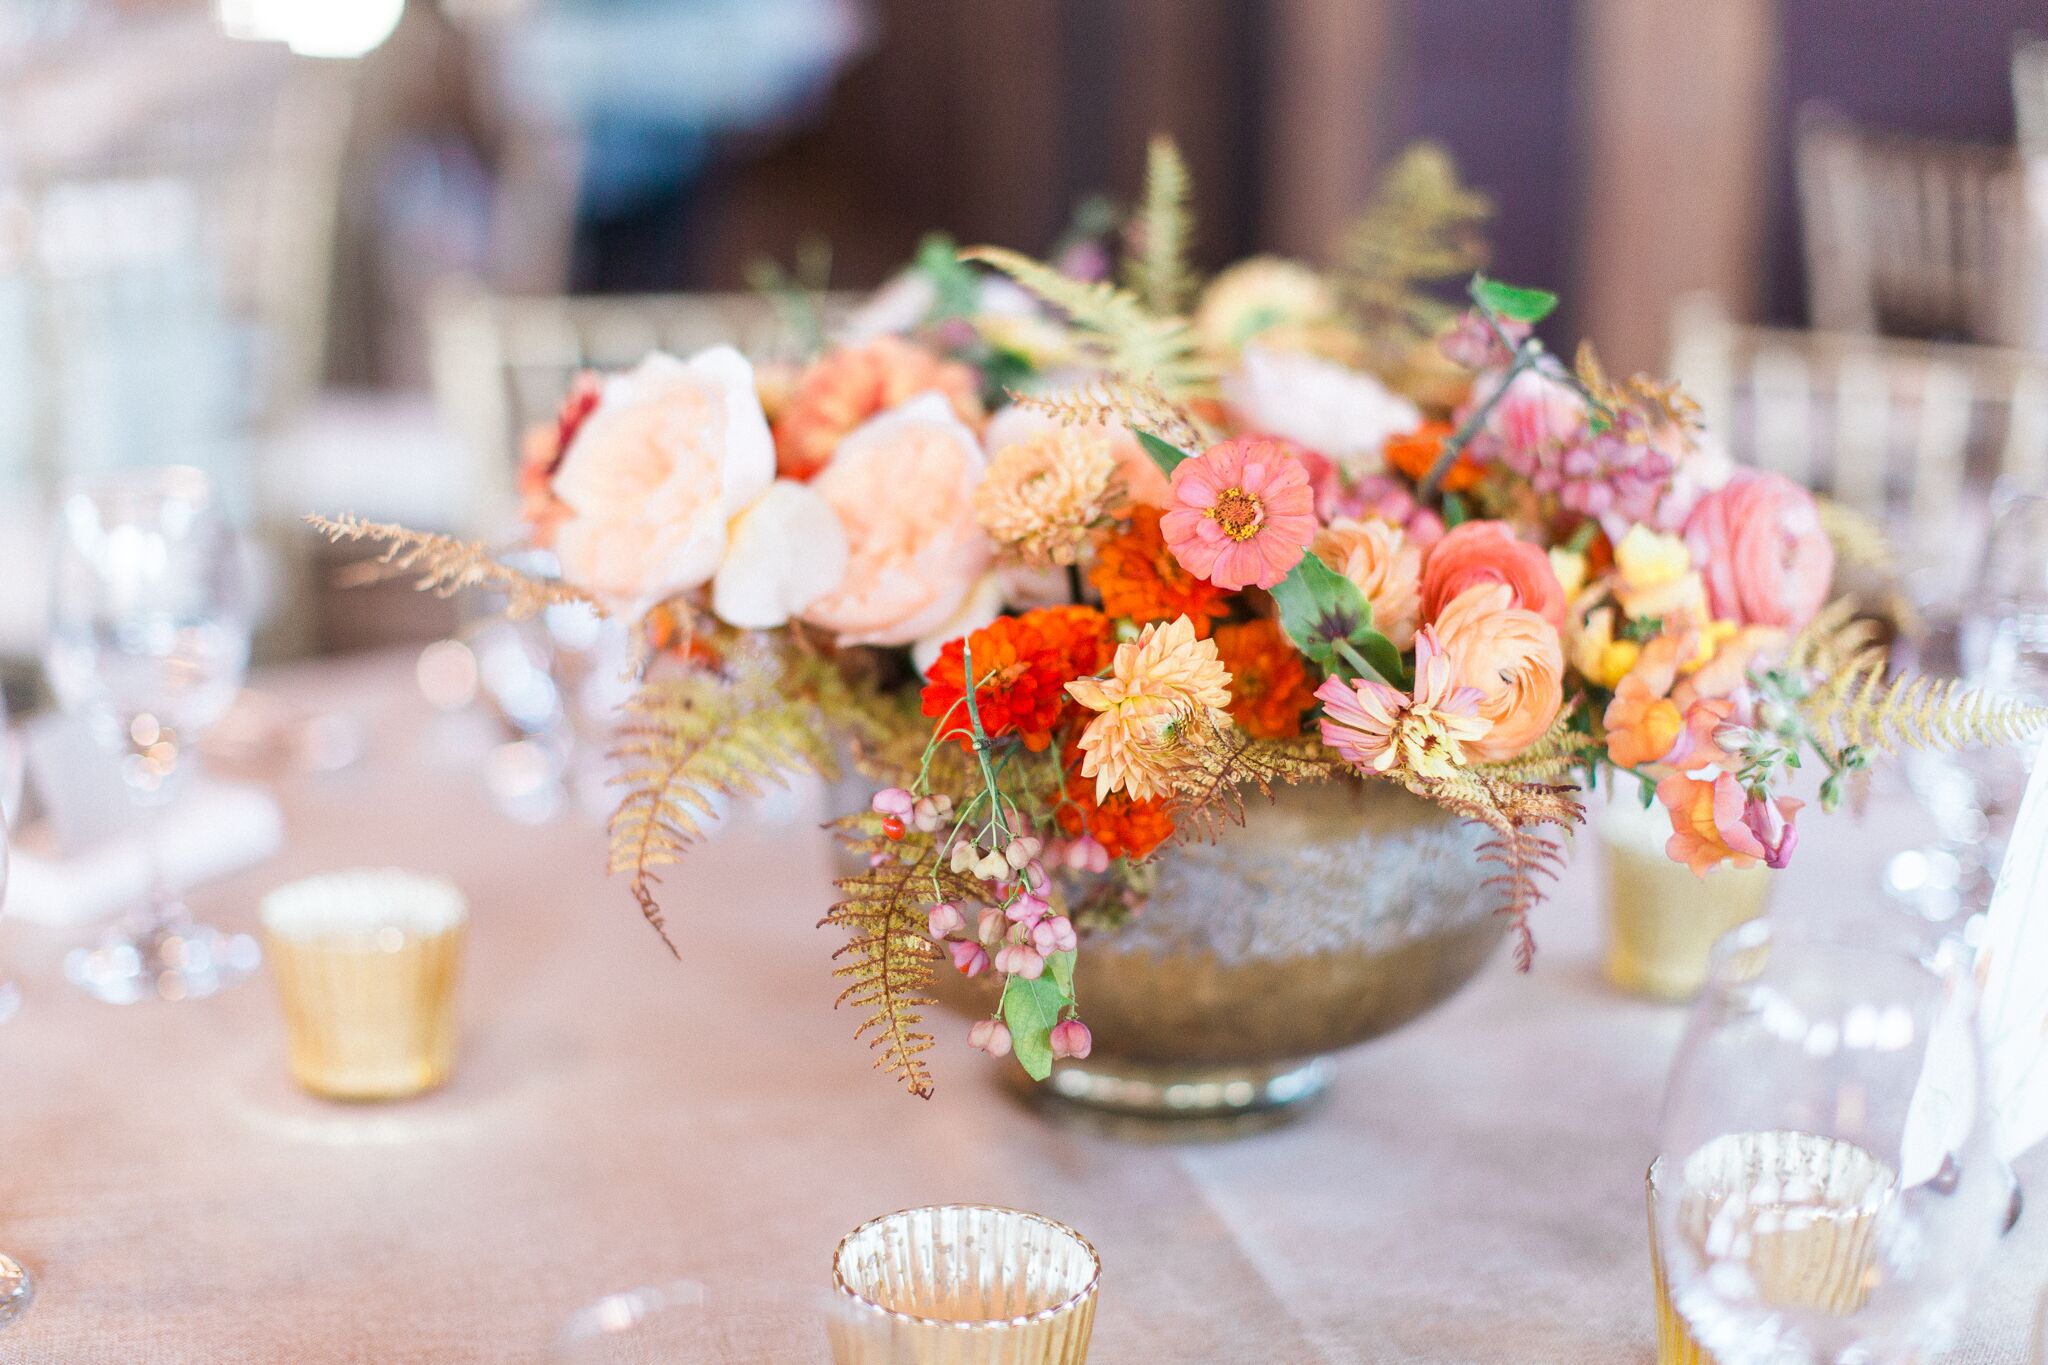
{"x":162,"y":905}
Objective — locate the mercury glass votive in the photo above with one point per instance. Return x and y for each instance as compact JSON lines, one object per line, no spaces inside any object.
{"x":963,"y":1284}
{"x":365,"y":964}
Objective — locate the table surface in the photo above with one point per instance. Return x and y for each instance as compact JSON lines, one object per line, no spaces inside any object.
{"x":1471,"y":1192}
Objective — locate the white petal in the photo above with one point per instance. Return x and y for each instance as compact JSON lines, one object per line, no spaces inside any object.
{"x":983,"y":604}
{"x":784,"y":552}
{"x":749,"y":449}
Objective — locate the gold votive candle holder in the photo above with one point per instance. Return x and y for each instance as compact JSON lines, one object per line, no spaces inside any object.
{"x":1663,"y":919}
{"x":1803,"y":1208}
{"x":365,"y":963}
{"x":963,"y":1284}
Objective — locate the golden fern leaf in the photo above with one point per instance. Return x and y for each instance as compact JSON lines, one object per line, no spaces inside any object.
{"x":1117,"y":334}
{"x":1422,"y":225}
{"x":445,"y":565}
{"x":1861,"y":544}
{"x":1209,"y":790}
{"x":1835,"y":641}
{"x":683,"y":744}
{"x":887,"y":960}
{"x":1157,"y":269}
{"x":1560,"y":752}
{"x":1139,"y":406}
{"x":1859,"y":707}
{"x":1514,"y":811}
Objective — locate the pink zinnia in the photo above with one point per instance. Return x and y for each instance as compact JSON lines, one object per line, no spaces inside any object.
{"x":1242,"y":513}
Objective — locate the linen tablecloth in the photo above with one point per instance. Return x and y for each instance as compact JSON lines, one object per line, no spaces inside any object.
{"x":1471,"y":1192}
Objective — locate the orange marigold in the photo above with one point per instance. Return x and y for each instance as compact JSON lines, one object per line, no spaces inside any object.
{"x":1022,"y":665}
{"x":1139,"y":578}
{"x":844,"y":388}
{"x":1125,"y":828}
{"x":1415,"y":453}
{"x":1270,"y":689}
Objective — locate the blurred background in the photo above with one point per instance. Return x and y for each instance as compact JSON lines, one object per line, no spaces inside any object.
{"x":316,"y":247}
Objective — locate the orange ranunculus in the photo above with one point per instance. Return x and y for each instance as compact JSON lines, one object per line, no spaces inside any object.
{"x":1415,"y":453}
{"x":1642,"y":727}
{"x":844,"y":388}
{"x":1514,"y":659}
{"x":1270,"y":689}
{"x":1487,"y":552}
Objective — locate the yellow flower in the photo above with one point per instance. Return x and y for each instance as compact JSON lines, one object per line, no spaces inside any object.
{"x":1042,"y":494}
{"x":1708,"y":642}
{"x":1654,"y":576}
{"x":1256,"y":296}
{"x":1570,"y":568}
{"x":1600,"y":658}
{"x":1162,"y":686}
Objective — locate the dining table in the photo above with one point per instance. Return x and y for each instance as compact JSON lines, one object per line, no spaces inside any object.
{"x":1470,"y":1190}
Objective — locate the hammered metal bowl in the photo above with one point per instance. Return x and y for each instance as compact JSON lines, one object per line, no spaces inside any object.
{"x":1337,"y":914}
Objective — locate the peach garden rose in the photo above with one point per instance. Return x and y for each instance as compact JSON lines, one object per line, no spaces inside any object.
{"x":1384,"y":566}
{"x":1760,"y":546}
{"x":903,"y":486}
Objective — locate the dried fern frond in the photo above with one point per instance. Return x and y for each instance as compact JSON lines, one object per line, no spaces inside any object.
{"x":1665,"y":401}
{"x":1422,"y":225}
{"x":1139,"y":406}
{"x":1835,"y":641}
{"x":1861,"y":545}
{"x":685,"y":743}
{"x":1515,"y":812}
{"x":1209,"y":794}
{"x":1156,"y":267}
{"x":1857,"y":706}
{"x":1562,"y":751}
{"x":1115,"y":331}
{"x":887,"y":960}
{"x":445,"y":566}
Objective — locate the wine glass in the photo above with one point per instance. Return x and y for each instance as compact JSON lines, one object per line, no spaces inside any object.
{"x":15,"y":1287}
{"x":148,"y":642}
{"x":1828,"y":1182}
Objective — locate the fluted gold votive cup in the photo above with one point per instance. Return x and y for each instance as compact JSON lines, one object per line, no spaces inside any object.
{"x":365,"y":963}
{"x":1663,"y":919}
{"x":963,"y":1284}
{"x":1807,"y":1208}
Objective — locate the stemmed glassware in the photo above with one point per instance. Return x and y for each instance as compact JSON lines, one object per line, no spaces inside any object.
{"x":1827,"y":1184}
{"x":15,"y":1288}
{"x":148,"y":642}
{"x":1997,"y":640}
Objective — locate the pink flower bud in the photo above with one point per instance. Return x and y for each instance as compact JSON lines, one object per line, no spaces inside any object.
{"x":1054,"y":934}
{"x":1070,"y":1038}
{"x":1086,"y":854}
{"x":963,"y":856}
{"x":969,"y":959}
{"x":944,"y":919}
{"x":991,"y":867}
{"x":991,"y":1036}
{"x":1033,"y":876}
{"x":931,"y":812}
{"x":1021,"y":959}
{"x":1022,"y":851}
{"x":989,"y":929}
{"x":1028,"y":908}
{"x":893,"y":801}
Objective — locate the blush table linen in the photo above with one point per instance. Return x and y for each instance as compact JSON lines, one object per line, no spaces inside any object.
{"x":1472,"y":1191}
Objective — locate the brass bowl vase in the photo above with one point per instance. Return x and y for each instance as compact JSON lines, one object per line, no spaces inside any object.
{"x":1338,"y":913}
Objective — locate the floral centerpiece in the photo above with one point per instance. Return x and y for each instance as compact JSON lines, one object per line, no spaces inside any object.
{"x":1072,"y":571}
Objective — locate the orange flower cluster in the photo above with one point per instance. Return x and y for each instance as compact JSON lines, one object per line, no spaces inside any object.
{"x":1125,"y":828}
{"x":1270,"y":689}
{"x":1415,"y":454}
{"x":843,"y":389}
{"x":1140,"y":579}
{"x":1022,"y":665}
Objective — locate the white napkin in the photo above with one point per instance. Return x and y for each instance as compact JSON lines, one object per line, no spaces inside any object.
{"x":2012,"y":976}
{"x":211,"y":830}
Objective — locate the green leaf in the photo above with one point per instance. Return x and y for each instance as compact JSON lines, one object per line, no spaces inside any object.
{"x":1321,"y":609}
{"x":1456,"y":514}
{"x":957,"y":286}
{"x":1031,"y":1008}
{"x":1165,"y":454}
{"x":1512,"y":301}
{"x":1062,"y":965}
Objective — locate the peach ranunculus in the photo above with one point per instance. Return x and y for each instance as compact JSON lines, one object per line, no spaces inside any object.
{"x":844,"y":388}
{"x":1487,"y":552}
{"x":1384,"y":566}
{"x":1513,"y":657}
{"x":1760,"y":547}
{"x":671,"y":452}
{"x":903,"y":487}
{"x":1144,"y":482}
